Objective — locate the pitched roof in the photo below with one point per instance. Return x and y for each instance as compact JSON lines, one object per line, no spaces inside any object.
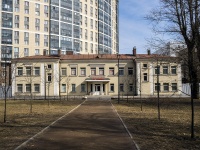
{"x":78,"y":57}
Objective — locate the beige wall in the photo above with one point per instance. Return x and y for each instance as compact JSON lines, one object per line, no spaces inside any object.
{"x":148,"y":87}
{"x":55,"y":87}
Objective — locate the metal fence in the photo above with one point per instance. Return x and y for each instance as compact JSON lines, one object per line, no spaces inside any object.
{"x":2,"y":92}
{"x":186,"y":90}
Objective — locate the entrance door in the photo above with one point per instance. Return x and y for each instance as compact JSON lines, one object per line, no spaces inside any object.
{"x":97,"y":89}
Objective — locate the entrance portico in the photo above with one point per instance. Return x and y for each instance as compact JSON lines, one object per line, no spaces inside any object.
{"x":97,"y":86}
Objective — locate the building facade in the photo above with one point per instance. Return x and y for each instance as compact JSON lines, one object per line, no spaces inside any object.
{"x":84,"y":26}
{"x":95,"y":74}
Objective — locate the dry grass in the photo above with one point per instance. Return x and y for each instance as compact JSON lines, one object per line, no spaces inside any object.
{"x":172,"y":132}
{"x":21,"y":124}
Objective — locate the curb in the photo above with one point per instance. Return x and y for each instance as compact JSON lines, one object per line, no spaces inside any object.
{"x":137,"y":147}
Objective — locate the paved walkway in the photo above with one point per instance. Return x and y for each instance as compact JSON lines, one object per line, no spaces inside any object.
{"x":92,"y":126}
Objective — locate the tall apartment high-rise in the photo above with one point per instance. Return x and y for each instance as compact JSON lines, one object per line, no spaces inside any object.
{"x":28,"y":27}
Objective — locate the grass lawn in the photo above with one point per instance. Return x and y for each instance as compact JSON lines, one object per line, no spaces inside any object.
{"x":21,"y":124}
{"x":172,"y":132}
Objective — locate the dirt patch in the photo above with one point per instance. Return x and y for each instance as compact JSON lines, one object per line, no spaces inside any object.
{"x":22,"y":123}
{"x":171,"y":132}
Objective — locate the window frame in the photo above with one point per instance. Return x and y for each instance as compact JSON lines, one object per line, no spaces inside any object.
{"x":145,"y":77}
{"x":37,"y":86}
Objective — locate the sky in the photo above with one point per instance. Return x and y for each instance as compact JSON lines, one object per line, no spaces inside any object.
{"x":133,"y":28}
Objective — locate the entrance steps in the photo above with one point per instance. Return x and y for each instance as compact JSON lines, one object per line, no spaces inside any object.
{"x":97,"y":97}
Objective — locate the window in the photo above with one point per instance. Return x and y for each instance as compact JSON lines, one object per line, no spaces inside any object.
{"x":49,"y":77}
{"x":93,"y":71}
{"x":63,"y":88}
{"x":37,"y":71}
{"x":157,"y":70}
{"x":49,"y":66}
{"x":37,"y":88}
{"x":19,"y":88}
{"x":130,"y":71}
{"x":166,"y":87}
{"x":63,"y":71}
{"x":26,"y":52}
{"x":157,"y":86}
{"x":73,"y":87}
{"x":28,"y":87}
{"x":130,"y":87}
{"x":82,"y":87}
{"x":121,"y":87}
{"x":173,"y":69}
{"x":73,"y":71}
{"x":19,"y":71}
{"x":37,"y":52}
{"x":111,"y":71}
{"x":112,"y":88}
{"x":101,"y":71}
{"x":16,"y":52}
{"x":145,"y":77}
{"x":165,"y":69}
{"x":174,"y":86}
{"x":83,"y":71}
{"x":28,"y":71}
{"x":144,"y":65}
{"x":121,"y":71}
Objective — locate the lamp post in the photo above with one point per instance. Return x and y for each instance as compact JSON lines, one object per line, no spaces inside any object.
{"x":118,"y":78}
{"x":5,"y":86}
{"x":45,"y":97}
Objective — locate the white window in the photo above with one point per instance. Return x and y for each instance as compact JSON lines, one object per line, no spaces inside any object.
{"x":19,"y":88}
{"x":166,"y":87}
{"x":49,"y":77}
{"x":174,"y":86}
{"x":28,"y":71}
{"x":101,"y":71}
{"x":19,"y":71}
{"x":130,"y":87}
{"x":37,"y":88}
{"x":82,"y":87}
{"x":112,"y":88}
{"x":165,"y":69}
{"x":121,"y":71}
{"x":28,"y":87}
{"x":83,"y":71}
{"x":145,"y":76}
{"x":111,"y":71}
{"x":37,"y":52}
{"x":26,"y":52}
{"x":63,"y":71}
{"x":37,"y":71}
{"x":73,"y":87}
{"x":73,"y":71}
{"x":63,"y":88}
{"x":130,"y":71}
{"x":93,"y":71}
{"x":121,"y":87}
{"x":49,"y":66}
{"x":173,"y":69}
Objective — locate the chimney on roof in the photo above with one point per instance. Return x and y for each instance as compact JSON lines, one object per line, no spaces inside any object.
{"x":148,"y":51}
{"x":134,"y":51}
{"x":44,"y":52}
{"x":69,"y":52}
{"x":59,"y":52}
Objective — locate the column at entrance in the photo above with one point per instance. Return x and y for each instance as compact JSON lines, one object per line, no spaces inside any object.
{"x":102,"y":89}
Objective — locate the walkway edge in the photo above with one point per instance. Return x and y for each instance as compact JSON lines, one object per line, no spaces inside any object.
{"x":23,"y":144}
{"x":129,"y":133}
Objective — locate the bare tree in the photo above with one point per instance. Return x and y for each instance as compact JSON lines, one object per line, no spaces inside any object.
{"x":180,"y":18}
